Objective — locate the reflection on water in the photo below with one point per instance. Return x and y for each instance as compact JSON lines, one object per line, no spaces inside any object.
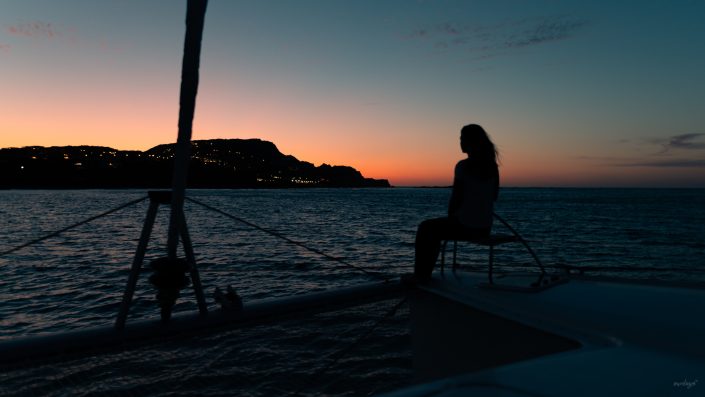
{"x":76,"y":280}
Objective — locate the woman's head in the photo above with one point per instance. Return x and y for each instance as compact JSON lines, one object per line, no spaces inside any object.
{"x":477,"y":144}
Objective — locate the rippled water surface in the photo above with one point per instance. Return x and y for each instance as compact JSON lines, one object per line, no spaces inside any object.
{"x":76,"y":279}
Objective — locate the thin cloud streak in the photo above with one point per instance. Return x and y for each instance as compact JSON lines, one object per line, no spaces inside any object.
{"x":36,"y":29}
{"x":666,"y":158}
{"x":41,"y":30}
{"x":675,"y":142}
{"x":611,"y":161}
{"x":549,"y":29}
{"x":500,"y":37}
{"x":684,"y":141}
{"x":682,"y":163}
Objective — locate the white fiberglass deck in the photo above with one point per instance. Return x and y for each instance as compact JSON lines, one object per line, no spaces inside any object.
{"x":632,"y":338}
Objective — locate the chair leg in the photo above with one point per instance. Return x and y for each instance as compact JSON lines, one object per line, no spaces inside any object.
{"x":443,"y":254}
{"x":455,"y":253}
{"x":491,"y":263}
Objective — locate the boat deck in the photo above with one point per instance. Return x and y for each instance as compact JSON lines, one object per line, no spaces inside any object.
{"x":630,"y":338}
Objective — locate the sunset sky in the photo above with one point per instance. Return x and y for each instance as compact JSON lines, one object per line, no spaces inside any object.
{"x":574,"y":93}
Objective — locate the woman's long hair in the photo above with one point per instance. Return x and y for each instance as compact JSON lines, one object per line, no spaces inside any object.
{"x":478,"y":145}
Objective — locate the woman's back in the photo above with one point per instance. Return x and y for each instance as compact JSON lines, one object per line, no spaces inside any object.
{"x":475,"y":189}
{"x":476,"y":184}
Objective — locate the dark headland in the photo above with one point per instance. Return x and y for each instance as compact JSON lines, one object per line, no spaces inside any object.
{"x":216,"y":163}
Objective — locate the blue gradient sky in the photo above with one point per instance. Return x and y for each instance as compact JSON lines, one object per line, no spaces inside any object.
{"x":574,"y":93}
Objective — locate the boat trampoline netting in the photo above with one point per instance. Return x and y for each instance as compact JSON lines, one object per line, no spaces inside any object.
{"x":356,"y":351}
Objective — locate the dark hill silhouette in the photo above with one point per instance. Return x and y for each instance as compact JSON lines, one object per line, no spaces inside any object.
{"x":216,"y":163}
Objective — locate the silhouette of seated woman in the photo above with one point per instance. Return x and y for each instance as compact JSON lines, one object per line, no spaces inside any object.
{"x":475,"y":189}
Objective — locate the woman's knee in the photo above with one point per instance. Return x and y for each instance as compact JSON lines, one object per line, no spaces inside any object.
{"x":425,"y":225}
{"x":434,"y":223}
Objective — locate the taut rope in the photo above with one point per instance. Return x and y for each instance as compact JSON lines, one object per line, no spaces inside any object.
{"x":67,"y":228}
{"x":287,"y":239}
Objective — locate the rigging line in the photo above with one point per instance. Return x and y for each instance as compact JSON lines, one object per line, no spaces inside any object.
{"x":587,"y":269}
{"x":342,"y":352}
{"x":287,"y":239}
{"x":521,"y":239}
{"x":67,"y":228}
{"x":624,"y":268}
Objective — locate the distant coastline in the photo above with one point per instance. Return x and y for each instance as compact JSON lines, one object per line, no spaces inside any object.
{"x":216,"y":163}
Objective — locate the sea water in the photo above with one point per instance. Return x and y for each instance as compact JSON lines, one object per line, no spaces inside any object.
{"x":76,"y":279}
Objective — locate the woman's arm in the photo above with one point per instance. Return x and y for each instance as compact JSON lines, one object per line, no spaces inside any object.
{"x":456,"y":196}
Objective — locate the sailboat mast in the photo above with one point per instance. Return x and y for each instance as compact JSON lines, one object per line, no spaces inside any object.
{"x":195,"y":15}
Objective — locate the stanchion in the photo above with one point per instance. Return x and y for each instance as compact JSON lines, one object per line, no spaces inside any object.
{"x":157,"y":198}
